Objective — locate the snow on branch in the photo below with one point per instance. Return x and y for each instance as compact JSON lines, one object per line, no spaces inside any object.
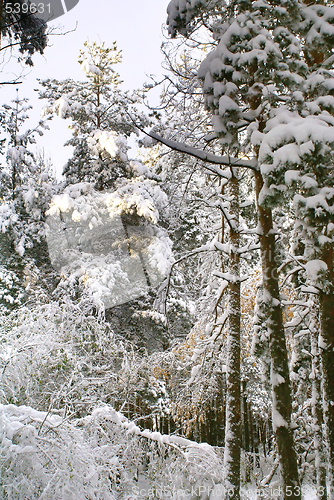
{"x":119,"y":419}
{"x":202,"y":155}
{"x":230,"y":278}
{"x":205,"y":156}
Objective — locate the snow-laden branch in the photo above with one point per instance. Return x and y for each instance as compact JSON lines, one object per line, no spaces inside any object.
{"x":230,"y":278}
{"x":226,"y":248}
{"x":205,"y":156}
{"x":248,"y":248}
{"x":176,"y":442}
{"x":266,"y":480}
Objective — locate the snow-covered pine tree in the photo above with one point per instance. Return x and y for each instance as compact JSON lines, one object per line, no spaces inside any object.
{"x":95,"y":107}
{"x":26,"y":189}
{"x":112,"y":241}
{"x":296,"y":157}
{"x":317,"y":407}
{"x":188,"y":119}
{"x":123,"y":195}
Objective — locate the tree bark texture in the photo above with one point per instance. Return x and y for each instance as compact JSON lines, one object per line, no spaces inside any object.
{"x":233,"y":406}
{"x":317,"y":410}
{"x":326,"y":301}
{"x":281,"y":396}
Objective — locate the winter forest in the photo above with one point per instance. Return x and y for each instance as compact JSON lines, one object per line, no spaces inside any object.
{"x":167,"y":302}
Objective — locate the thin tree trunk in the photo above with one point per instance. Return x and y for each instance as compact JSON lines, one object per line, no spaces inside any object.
{"x":245,"y":434}
{"x":233,"y":414}
{"x":326,"y":344}
{"x":281,"y":397}
{"x":317,"y":412}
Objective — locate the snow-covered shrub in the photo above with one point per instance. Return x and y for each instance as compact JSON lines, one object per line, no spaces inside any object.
{"x":173,"y":467}
{"x":102,"y":456}
{"x":189,"y":474}
{"x":59,"y":356}
{"x":64,"y":357}
{"x":46,"y":457}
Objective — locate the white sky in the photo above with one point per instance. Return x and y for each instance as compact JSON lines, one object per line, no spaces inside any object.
{"x":136,"y":27}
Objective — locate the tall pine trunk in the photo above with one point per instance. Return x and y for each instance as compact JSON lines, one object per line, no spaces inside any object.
{"x":280,"y":380}
{"x":233,"y":403}
{"x":317,"y":411}
{"x":326,"y":301}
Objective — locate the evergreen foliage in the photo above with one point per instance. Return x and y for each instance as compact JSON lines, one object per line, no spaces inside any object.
{"x":96,"y":107}
{"x":23,"y":28}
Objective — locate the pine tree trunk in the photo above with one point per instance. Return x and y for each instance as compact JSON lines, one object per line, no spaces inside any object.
{"x":245,"y":434}
{"x":317,"y":409}
{"x":233,"y":413}
{"x":281,"y":396}
{"x":326,"y":301}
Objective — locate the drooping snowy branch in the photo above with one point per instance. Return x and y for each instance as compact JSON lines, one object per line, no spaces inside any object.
{"x":206,"y":156}
{"x":177,"y":442}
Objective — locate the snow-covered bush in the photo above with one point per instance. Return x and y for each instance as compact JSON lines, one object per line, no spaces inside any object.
{"x":46,"y":457}
{"x":64,"y":357}
{"x":60,"y":356}
{"x":102,"y":456}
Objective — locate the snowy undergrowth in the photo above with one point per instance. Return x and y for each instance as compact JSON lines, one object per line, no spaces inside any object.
{"x":107,"y":457}
{"x":102,"y":456}
{"x":45,"y":457}
{"x":62,"y":359}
